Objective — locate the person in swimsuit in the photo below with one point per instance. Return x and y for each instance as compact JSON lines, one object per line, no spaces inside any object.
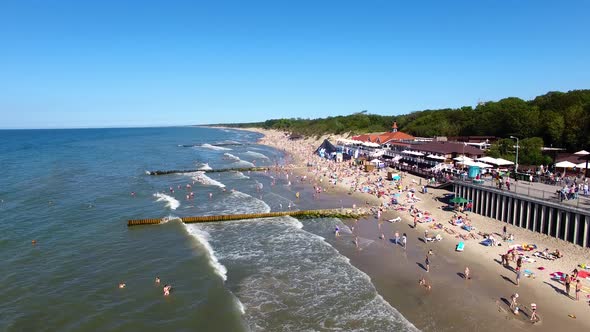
{"x":578,"y":289}
{"x":157,"y":280}
{"x":167,"y":289}
{"x":427,"y":262}
{"x":122,"y":285}
{"x":567,"y":282}
{"x":534,"y":317}
{"x":466,"y":274}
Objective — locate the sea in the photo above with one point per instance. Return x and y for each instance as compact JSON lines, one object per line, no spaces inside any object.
{"x":73,"y":190}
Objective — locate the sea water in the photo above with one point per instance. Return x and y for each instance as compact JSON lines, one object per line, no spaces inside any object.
{"x":71,"y":192}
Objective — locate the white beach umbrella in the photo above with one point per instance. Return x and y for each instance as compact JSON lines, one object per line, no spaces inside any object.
{"x":487,"y":159}
{"x":462,"y":159}
{"x":503,"y":162}
{"x":582,"y":153}
{"x":582,"y":165}
{"x":565,"y":164}
{"x":481,"y":165}
{"x":433,"y":156}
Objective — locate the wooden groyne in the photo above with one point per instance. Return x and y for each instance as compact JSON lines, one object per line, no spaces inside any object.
{"x":326,"y":213}
{"x":179,"y":171}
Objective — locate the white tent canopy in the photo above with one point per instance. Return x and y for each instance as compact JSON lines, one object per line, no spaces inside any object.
{"x":565,"y":164}
{"x":436,"y":157}
{"x":376,"y":161}
{"x":413,"y":153}
{"x":462,"y":159}
{"x":481,"y":165}
{"x":503,"y":162}
{"x":489,"y":160}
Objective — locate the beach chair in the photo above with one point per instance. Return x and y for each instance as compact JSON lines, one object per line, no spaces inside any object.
{"x":460,"y":246}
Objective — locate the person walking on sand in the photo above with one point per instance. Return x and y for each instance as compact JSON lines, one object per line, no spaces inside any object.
{"x":534,"y":317}
{"x":427,"y":263}
{"x":578,"y":289}
{"x":567,"y":281}
{"x":513,"y":302}
{"x":504,"y":229}
{"x":466,"y":274}
{"x":404,"y":239}
{"x":396,"y":237}
{"x":518,"y":275}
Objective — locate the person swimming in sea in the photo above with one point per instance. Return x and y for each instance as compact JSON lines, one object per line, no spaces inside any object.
{"x":157,"y":280}
{"x":122,"y":285}
{"x":167,"y":289}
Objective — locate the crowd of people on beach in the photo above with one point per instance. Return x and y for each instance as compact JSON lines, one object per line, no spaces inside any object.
{"x":400,"y":196}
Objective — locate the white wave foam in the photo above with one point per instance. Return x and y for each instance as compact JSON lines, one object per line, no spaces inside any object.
{"x":202,"y":178}
{"x":171,"y":202}
{"x":245,"y":164}
{"x":231,"y":156}
{"x":256,"y":154}
{"x":240,"y":175}
{"x":214,"y":147}
{"x":205,"y":167}
{"x":202,"y":237}
{"x":169,"y":218}
{"x":240,"y":306}
{"x":256,"y":205}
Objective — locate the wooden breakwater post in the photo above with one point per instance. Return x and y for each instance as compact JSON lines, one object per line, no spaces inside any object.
{"x":236,"y":169}
{"x":326,"y":213}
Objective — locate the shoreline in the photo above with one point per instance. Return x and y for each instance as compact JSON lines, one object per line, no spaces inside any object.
{"x":453,"y":303}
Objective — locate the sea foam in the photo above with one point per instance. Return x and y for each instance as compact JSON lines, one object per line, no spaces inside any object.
{"x":171,"y":202}
{"x":202,"y":237}
{"x":215,"y":147}
{"x":256,"y":154}
{"x":205,"y":167}
{"x":202,"y":178}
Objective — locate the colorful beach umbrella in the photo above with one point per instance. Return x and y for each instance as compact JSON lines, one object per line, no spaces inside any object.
{"x":459,"y":200}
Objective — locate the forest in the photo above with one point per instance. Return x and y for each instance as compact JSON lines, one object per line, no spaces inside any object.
{"x":557,"y":119}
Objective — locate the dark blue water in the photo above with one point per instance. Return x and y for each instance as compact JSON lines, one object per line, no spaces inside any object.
{"x":70,"y":191}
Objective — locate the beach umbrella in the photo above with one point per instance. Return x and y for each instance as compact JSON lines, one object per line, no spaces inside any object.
{"x":462,"y":159}
{"x":481,"y":165}
{"x":489,"y":160}
{"x":459,"y":200}
{"x":565,"y":164}
{"x":584,"y":155}
{"x":503,"y":162}
{"x":582,"y":165}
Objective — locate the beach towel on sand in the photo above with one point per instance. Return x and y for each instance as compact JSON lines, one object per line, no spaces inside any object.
{"x":486,"y":242}
{"x":460,"y":246}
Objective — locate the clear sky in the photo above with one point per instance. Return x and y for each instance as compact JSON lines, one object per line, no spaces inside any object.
{"x":141,"y":63}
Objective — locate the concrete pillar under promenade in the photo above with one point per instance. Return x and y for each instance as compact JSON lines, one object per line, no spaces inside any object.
{"x":586,"y":230}
{"x":521,"y":214}
{"x":528,"y":215}
{"x":566,"y":225}
{"x":502,"y":205}
{"x":494,"y":205}
{"x":576,"y":227}
{"x":550,"y":220}
{"x":542,"y":219}
{"x":476,"y":204}
{"x":535,"y":208}
{"x":513,"y":210}
{"x":558,"y":221}
{"x":489,"y":196}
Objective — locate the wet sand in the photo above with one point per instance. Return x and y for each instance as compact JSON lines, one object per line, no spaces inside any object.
{"x":453,"y":303}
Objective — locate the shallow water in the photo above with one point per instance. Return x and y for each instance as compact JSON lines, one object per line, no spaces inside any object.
{"x":70,"y":190}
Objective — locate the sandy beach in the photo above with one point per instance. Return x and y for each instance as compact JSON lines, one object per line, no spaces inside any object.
{"x":453,"y":303}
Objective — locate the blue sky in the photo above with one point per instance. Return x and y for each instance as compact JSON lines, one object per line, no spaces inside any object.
{"x":143,"y":63}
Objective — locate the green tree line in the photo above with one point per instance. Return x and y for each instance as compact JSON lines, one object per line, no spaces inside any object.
{"x":558,"y":119}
